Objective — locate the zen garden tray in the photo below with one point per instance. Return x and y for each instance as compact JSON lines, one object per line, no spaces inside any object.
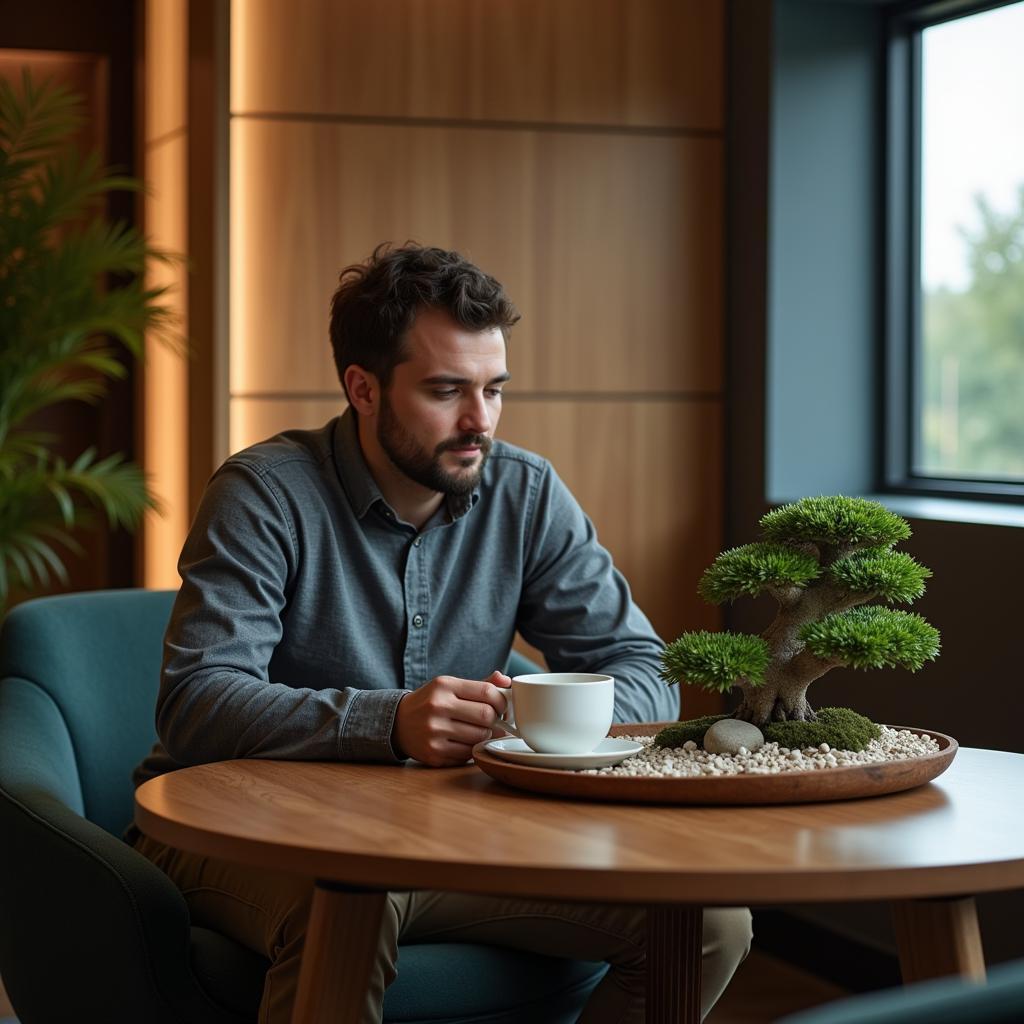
{"x":841,"y":783}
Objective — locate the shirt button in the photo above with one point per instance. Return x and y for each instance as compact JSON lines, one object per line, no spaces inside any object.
{"x":417,"y":542}
{"x":417,"y":621}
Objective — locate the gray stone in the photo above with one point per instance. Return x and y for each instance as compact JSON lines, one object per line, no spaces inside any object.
{"x":729,"y":734}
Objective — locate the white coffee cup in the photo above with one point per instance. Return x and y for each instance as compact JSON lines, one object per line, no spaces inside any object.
{"x":560,"y":712}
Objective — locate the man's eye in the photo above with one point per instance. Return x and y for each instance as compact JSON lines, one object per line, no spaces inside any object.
{"x":493,"y":392}
{"x":445,"y":392}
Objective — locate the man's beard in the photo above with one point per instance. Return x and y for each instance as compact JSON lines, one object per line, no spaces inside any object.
{"x":423,"y":467}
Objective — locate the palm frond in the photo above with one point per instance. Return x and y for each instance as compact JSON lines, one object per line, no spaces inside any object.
{"x":72,"y":292}
{"x":48,"y":497}
{"x":32,"y":445}
{"x":35,"y":121}
{"x":116,"y":486}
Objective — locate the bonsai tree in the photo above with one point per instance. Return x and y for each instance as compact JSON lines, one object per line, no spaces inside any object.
{"x":824,"y":560}
{"x":71,"y":285}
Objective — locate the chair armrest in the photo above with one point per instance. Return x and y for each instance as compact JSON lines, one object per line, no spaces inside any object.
{"x":101,"y":933}
{"x":944,"y":1001}
{"x":520,"y":665}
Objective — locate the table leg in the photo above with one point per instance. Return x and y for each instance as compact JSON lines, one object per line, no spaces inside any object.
{"x":674,"y":942}
{"x":937,"y":937}
{"x":341,"y":945}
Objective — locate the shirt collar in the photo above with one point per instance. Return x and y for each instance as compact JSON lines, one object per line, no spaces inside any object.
{"x":459,"y":505}
{"x":356,"y":478}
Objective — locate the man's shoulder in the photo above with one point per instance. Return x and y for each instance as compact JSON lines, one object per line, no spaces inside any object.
{"x":300,"y":448}
{"x":509,"y":455}
{"x":509,"y":460}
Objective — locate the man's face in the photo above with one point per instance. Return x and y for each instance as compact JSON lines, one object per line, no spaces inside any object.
{"x":441,"y":408}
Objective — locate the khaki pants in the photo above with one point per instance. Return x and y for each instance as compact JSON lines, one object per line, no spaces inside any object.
{"x":267,"y":912}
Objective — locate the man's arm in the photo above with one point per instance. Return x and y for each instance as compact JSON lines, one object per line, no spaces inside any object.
{"x":577,"y":609}
{"x":216,"y":700}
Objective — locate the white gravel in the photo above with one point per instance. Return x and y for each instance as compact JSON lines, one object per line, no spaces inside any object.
{"x":771,"y":759}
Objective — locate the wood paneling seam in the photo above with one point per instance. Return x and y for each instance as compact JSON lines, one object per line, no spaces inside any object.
{"x":519,"y":396}
{"x":390,"y":121}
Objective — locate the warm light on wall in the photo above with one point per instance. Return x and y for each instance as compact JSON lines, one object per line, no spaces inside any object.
{"x":243,"y":231}
{"x":165,"y":377}
{"x":241,"y":432}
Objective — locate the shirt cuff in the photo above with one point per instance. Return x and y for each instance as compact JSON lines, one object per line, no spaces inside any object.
{"x":366,"y":732}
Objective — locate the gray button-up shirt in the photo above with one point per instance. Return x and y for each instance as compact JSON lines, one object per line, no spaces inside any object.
{"x":307,"y":608}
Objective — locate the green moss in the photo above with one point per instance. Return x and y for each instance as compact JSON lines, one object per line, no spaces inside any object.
{"x":840,"y":728}
{"x":676,"y":734}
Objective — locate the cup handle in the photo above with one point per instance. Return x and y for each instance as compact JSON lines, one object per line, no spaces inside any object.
{"x":503,"y":722}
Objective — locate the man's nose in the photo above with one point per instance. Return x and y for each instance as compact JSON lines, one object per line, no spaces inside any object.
{"x":476,"y":417}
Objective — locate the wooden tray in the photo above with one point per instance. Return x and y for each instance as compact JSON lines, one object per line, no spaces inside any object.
{"x":847,"y":783}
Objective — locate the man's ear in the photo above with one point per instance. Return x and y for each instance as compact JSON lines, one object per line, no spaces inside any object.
{"x":363,"y":390}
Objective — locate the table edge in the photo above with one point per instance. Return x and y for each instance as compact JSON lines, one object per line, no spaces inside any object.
{"x":604,"y":884}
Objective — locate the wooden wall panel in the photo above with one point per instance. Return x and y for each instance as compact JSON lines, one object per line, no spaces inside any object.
{"x":623,"y":62}
{"x":256,"y":419}
{"x":609,"y":244}
{"x":649,"y":476}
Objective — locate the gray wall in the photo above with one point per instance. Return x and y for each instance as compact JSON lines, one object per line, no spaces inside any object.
{"x":824,"y":153}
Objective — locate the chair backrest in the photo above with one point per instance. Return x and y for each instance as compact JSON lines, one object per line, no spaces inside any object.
{"x":78,"y":680}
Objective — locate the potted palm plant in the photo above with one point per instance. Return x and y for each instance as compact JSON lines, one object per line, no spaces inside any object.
{"x":72,"y":286}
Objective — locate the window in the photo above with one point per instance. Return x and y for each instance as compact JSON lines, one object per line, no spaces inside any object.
{"x":955,"y":318}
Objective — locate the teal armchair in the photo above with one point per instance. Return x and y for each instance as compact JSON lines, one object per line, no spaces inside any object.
{"x":944,"y":1001}
{"x":90,"y":929}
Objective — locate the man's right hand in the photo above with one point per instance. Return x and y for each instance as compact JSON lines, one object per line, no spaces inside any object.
{"x":439,"y":723}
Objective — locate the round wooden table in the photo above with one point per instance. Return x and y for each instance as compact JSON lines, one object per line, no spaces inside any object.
{"x":376,"y":827}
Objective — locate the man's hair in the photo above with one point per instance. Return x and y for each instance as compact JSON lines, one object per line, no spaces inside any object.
{"x":376,"y":302}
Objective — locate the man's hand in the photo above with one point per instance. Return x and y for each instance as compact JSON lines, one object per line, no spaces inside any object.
{"x":439,"y":723}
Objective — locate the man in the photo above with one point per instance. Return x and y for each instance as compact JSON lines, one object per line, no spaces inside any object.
{"x":352,"y":593}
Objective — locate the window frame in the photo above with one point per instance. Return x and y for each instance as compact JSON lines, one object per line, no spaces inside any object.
{"x":902,"y":257}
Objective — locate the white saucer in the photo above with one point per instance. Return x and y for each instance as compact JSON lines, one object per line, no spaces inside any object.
{"x":608,"y":752}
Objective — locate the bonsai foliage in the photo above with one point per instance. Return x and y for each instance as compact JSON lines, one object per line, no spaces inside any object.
{"x":824,"y":560}
{"x":71,"y":285}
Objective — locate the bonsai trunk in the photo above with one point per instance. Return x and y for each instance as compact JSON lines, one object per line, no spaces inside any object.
{"x":784,"y":701}
{"x":782,"y":696}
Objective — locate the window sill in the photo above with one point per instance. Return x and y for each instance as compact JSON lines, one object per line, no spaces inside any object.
{"x":942,"y":510}
{"x":952,"y":510}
